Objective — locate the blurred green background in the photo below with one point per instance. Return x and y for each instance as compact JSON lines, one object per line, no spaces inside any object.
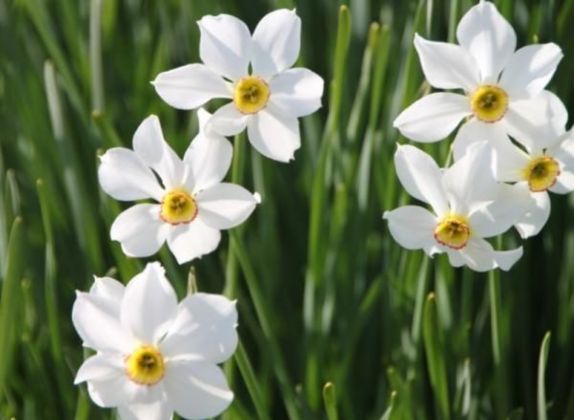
{"x":325,"y":295}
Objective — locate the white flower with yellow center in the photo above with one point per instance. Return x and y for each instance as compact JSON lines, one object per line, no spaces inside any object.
{"x":468,"y":205}
{"x":501,"y":87}
{"x":254,"y":72}
{"x":192,"y":202}
{"x":538,"y":169}
{"x":155,"y":356}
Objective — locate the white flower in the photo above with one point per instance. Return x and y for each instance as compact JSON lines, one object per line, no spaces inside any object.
{"x":468,"y":205}
{"x":503,"y":88}
{"x":537,"y":169}
{"x":254,"y":71}
{"x":540,"y":167}
{"x":192,"y":202}
{"x":155,"y":356}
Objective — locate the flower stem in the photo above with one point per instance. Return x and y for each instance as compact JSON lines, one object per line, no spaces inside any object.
{"x":250,"y":378}
{"x":265,"y":319}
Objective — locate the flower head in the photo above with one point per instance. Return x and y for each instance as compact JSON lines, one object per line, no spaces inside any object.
{"x":503,"y":89}
{"x":468,"y":205}
{"x":536,"y":169}
{"x":150,"y":363}
{"x":254,"y":72}
{"x":192,"y":204}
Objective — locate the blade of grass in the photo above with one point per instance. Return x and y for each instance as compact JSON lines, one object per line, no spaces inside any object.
{"x":330,"y":401}
{"x":541,"y":394}
{"x":51,"y":299}
{"x":265,"y":319}
{"x":251,"y":383}
{"x":432,"y":336}
{"x":10,"y":300}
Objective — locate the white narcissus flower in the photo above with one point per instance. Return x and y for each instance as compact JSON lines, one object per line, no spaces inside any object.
{"x":539,"y":170}
{"x":155,"y":356}
{"x":192,"y":202}
{"x":254,"y":72}
{"x":502,"y":87}
{"x":468,"y":205}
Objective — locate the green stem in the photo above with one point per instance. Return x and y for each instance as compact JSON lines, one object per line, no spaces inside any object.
{"x":500,"y":390}
{"x":265,"y":319}
{"x":96,"y":55}
{"x":250,"y":379}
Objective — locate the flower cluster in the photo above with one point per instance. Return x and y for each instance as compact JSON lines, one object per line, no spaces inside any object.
{"x":510,"y":150}
{"x":154,"y":356}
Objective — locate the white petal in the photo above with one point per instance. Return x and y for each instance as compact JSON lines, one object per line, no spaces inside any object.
{"x":192,"y":240}
{"x":475,"y":131}
{"x":536,"y":216}
{"x":479,"y":255}
{"x":190,"y":86}
{"x":157,"y":410}
{"x":511,"y":203}
{"x":447,"y":66}
{"x":150,"y":145}
{"x":124,"y":176}
{"x":433,"y":117}
{"x":412,"y":226}
{"x":488,"y":37}
{"x":565,"y":182}
{"x":564,"y":154}
{"x":196,"y":390}
{"x":530,"y":69}
{"x":274,"y":135}
{"x":203,"y":330}
{"x":228,"y":121}
{"x":140,"y":230}
{"x":296,"y":92}
{"x":510,"y":161}
{"x":100,"y":367}
{"x":149,"y":304}
{"x":454,"y":258}
{"x":276,"y":42}
{"x":98,"y":329}
{"x":224,"y":206}
{"x":421,"y":177}
{"x":470,"y":181}
{"x":109,"y":293}
{"x":506,"y":259}
{"x":536,"y":122}
{"x":225,"y":45}
{"x":112,"y":392}
{"x":208,"y":157}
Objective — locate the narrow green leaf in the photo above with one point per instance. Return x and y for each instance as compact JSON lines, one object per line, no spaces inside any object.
{"x":330,"y":400}
{"x":10,"y":300}
{"x":541,"y":393}
{"x":390,"y":409}
{"x":432,"y":336}
{"x":251,"y":383}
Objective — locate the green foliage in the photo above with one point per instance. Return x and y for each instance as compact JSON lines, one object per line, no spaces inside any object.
{"x":327,"y":300}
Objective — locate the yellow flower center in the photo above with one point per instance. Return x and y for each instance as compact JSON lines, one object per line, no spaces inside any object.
{"x":250,"y":95}
{"x":178,"y":206}
{"x":489,"y":103}
{"x":541,"y":173}
{"x":452,"y":231}
{"x":145,"y":365}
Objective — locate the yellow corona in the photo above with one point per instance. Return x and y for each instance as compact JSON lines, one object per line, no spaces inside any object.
{"x":178,"y":206}
{"x":250,"y":94}
{"x":145,"y":365}
{"x":541,"y":173}
{"x":452,"y":231}
{"x":489,"y":103}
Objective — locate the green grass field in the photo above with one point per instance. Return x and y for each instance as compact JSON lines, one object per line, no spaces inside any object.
{"x":336,"y":320}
